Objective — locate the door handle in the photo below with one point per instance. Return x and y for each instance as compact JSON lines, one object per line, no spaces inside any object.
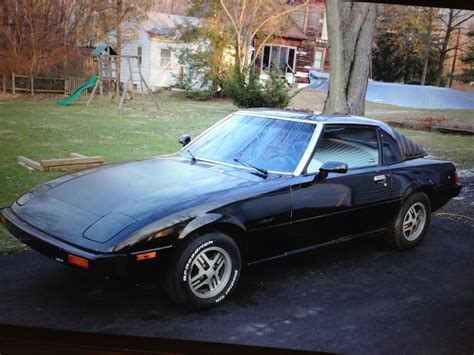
{"x":379,"y":179}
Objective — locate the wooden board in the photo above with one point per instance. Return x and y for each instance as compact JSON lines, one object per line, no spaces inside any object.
{"x":29,"y":163}
{"x":71,"y":161}
{"x":73,"y":167}
{"x":75,"y":161}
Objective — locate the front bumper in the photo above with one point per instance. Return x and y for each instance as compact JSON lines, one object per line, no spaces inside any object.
{"x":61,"y":251}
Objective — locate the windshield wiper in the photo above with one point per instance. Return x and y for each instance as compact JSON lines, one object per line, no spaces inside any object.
{"x":262,"y":171}
{"x":193,"y":158}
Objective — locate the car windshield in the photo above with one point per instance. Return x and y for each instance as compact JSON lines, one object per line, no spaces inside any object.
{"x":267,"y":143}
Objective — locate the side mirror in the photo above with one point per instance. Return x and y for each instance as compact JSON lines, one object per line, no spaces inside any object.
{"x":331,"y":167}
{"x":185,"y":139}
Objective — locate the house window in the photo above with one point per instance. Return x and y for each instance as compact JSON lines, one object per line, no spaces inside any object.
{"x":139,"y":55}
{"x":280,"y":59}
{"x":314,"y":19}
{"x":318,"y":59}
{"x":165,"y":57}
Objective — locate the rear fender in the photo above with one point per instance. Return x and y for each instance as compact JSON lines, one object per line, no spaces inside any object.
{"x":420,"y":184}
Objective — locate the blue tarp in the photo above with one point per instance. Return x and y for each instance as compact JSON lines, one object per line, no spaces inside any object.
{"x":416,"y":96}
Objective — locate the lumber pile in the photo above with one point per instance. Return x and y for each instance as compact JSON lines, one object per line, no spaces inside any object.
{"x":74,"y":162}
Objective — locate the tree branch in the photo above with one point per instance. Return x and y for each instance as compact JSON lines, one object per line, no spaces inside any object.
{"x":229,"y":16}
{"x":462,"y":21}
{"x":289,"y":10}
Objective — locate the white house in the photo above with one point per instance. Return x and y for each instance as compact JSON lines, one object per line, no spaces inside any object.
{"x":155,"y":42}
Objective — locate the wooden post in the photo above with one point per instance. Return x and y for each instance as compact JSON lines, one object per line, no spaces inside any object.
{"x":13,"y":84}
{"x":93,"y":91}
{"x":148,"y":88}
{"x":122,"y":99}
{"x":32,"y":80}
{"x":4,"y":84}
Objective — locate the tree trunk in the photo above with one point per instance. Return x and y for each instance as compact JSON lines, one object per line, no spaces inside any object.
{"x":119,"y":44}
{"x":443,"y":51}
{"x":442,"y":58}
{"x":428,"y":47}
{"x":350,"y":30}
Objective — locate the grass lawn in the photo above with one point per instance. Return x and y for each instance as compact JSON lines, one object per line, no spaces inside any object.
{"x":40,"y":129}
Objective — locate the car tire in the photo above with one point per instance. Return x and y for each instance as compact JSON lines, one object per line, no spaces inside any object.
{"x":203,"y":271}
{"x":411,"y":223}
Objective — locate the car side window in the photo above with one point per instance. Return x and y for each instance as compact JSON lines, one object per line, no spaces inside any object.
{"x":355,"y":146}
{"x":391,"y":150}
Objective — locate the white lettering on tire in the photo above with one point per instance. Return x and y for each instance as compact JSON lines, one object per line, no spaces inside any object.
{"x":196,"y":251}
{"x":231,"y":285}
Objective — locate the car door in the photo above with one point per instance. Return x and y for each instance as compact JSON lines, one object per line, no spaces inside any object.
{"x":341,"y":205}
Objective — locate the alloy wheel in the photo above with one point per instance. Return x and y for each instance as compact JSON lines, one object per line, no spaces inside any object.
{"x":210,"y":272}
{"x":414,"y":221}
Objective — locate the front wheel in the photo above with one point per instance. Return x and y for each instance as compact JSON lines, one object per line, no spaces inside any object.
{"x":204,"y":271}
{"x":411,"y":223}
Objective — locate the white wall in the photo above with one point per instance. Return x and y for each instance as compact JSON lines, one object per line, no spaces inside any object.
{"x":163,"y":75}
{"x":140,"y":39}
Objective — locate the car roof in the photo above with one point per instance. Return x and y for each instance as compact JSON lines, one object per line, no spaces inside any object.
{"x":408,"y":148}
{"x":310,"y":116}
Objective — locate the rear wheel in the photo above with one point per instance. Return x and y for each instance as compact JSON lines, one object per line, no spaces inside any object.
{"x":204,"y":271}
{"x":411,"y":223}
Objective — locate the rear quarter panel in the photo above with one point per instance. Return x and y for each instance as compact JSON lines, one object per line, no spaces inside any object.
{"x":429,"y":174}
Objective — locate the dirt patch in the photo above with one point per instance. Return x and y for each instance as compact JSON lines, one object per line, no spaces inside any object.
{"x":430,"y":127}
{"x":431,"y":121}
{"x":308,"y":99}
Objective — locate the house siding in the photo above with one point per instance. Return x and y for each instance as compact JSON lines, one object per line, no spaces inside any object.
{"x":130,"y":48}
{"x":164,"y":76}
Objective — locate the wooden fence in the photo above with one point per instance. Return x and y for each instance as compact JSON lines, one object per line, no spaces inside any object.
{"x":37,"y":84}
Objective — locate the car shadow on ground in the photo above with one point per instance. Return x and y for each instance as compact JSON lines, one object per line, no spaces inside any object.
{"x":143,"y":289}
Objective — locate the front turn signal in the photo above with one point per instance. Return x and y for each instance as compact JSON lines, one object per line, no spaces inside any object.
{"x":146,"y":256}
{"x":78,"y":261}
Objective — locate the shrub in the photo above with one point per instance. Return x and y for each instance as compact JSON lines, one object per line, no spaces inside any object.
{"x":245,"y":90}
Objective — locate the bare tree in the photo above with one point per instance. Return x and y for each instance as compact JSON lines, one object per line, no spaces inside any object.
{"x":47,"y":36}
{"x":428,"y":46}
{"x":255,"y":18}
{"x":452,"y":20}
{"x":350,"y":35}
{"x":119,"y":41}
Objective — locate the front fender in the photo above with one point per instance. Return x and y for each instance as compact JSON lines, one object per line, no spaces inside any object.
{"x":209,"y":219}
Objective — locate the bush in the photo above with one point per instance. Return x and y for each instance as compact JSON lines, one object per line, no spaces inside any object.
{"x":245,"y":90}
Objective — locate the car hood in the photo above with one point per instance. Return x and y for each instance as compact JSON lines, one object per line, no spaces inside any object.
{"x":98,"y":204}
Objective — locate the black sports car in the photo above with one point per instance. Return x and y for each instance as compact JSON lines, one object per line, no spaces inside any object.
{"x":258,"y":185}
